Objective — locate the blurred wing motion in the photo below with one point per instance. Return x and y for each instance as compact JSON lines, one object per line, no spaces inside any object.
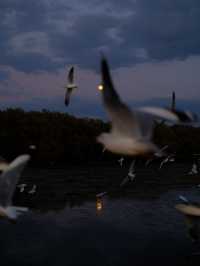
{"x":9,"y":179}
{"x":70,"y":86}
{"x":189,"y":209}
{"x":160,"y":113}
{"x":123,"y":120}
{"x":192,"y":217}
{"x":3,"y":164}
{"x":131,"y":131}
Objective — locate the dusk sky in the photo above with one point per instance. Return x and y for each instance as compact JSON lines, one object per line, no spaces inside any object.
{"x":153,"y":47}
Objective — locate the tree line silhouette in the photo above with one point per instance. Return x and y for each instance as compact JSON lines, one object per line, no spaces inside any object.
{"x":61,"y":138}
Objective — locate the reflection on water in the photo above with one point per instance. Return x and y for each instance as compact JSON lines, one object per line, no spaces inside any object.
{"x":138,"y":225}
{"x":99,"y":204}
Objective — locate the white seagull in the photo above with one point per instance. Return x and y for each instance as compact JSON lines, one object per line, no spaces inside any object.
{"x":194,"y":170}
{"x":33,"y":190}
{"x":22,"y":187}
{"x":156,"y":155}
{"x":131,"y":174}
{"x":70,"y":86}
{"x":185,"y":117}
{"x":121,"y":160}
{"x":8,"y":182}
{"x":131,"y":132}
{"x":169,"y":158}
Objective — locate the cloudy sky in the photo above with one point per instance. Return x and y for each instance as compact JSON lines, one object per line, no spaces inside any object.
{"x":153,"y":47}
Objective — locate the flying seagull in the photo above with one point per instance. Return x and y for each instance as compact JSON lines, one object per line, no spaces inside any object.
{"x":185,"y":117}
{"x":22,"y":187}
{"x":70,"y":86}
{"x":194,"y":170}
{"x":131,"y":174}
{"x":131,"y":132}
{"x":155,"y":156}
{"x":8,"y":182}
{"x":169,"y":158}
{"x":121,"y":160}
{"x":33,"y":189}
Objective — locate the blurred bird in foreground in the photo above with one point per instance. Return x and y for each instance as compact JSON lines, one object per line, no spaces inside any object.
{"x":70,"y":86}
{"x":8,"y":182}
{"x":191,"y":211}
{"x":131,"y":132}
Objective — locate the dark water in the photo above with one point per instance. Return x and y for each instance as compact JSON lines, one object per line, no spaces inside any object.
{"x":137,"y":225}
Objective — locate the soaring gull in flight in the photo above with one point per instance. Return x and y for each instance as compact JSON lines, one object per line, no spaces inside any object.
{"x":70,"y":86}
{"x":131,"y":132}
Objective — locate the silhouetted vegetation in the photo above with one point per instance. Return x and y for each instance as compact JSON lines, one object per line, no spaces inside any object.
{"x":61,"y":138}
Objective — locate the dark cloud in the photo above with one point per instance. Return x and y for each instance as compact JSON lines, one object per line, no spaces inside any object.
{"x":73,"y":32}
{"x":166,"y":29}
{"x":4,"y":75}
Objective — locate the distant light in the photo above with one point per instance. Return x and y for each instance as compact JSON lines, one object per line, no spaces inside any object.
{"x":100,"y":87}
{"x":99,"y":205}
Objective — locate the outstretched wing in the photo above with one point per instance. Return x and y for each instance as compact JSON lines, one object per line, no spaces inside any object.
{"x":160,"y":113}
{"x":10,"y":177}
{"x":136,"y":123}
{"x":71,"y":75}
{"x":124,"y":121}
{"x":70,"y":86}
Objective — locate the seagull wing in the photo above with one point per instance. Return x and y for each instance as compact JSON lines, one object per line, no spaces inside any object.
{"x":70,"y":86}
{"x":189,"y":209}
{"x":10,"y":177}
{"x":132,"y":166}
{"x":160,"y":113}
{"x":124,"y":121}
{"x":71,"y":75}
{"x":136,"y":123}
{"x":124,"y":181}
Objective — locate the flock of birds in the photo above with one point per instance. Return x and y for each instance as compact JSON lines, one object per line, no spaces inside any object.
{"x":131,"y":134}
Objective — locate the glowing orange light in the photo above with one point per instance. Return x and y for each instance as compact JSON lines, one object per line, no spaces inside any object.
{"x":99,"y":205}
